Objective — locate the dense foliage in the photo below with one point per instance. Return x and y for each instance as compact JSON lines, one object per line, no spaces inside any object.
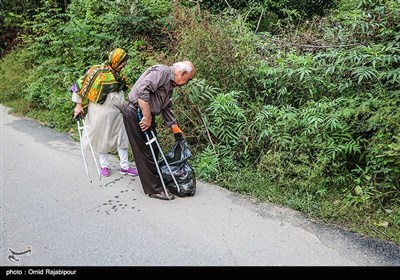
{"x":301,"y":98}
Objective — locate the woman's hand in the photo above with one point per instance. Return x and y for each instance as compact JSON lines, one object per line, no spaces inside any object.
{"x":78,"y":110}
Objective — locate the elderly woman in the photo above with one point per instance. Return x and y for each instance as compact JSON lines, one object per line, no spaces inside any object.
{"x":101,"y":90}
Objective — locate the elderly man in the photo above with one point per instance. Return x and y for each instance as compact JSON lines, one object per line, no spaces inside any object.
{"x":152,"y":93}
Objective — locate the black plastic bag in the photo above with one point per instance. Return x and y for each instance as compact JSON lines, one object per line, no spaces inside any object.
{"x":177,"y":159}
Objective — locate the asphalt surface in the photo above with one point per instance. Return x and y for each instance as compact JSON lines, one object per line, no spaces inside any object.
{"x":51,"y":211}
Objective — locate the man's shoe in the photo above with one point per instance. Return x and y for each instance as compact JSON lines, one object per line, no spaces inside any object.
{"x":130,"y":171}
{"x":162,"y":195}
{"x":105,"y":172}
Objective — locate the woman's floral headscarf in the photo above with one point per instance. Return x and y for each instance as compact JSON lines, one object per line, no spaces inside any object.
{"x":100,"y":80}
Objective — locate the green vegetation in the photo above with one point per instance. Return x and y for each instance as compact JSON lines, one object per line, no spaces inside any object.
{"x":294,"y":102}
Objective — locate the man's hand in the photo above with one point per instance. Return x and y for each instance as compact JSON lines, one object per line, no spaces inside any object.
{"x":178,"y":134}
{"x":147,"y":119}
{"x":145,"y":123}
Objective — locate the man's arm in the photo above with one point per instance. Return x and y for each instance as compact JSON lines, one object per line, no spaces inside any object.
{"x":149,"y":85}
{"x":170,"y":121}
{"x":168,"y":115}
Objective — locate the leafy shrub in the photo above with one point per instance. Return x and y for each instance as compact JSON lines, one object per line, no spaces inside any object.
{"x":221,"y":48}
{"x":14,"y":70}
{"x":206,"y":164}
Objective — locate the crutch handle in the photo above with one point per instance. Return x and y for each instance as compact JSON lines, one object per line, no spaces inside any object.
{"x":139,"y":114}
{"x":78,"y":117}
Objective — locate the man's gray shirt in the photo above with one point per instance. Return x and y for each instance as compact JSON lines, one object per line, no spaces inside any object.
{"x":155,"y":86}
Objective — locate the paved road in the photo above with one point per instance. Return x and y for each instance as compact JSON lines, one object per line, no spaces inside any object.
{"x":49,"y":206}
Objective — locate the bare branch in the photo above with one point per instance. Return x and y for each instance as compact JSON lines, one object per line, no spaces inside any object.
{"x":315,"y":46}
{"x":259,"y":20}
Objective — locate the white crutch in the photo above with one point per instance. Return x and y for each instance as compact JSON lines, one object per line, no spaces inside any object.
{"x":149,"y":142}
{"x":83,"y":128}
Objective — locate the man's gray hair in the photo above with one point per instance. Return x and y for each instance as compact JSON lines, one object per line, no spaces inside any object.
{"x":182,"y":66}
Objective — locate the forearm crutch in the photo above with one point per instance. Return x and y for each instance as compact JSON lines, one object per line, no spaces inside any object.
{"x":149,"y":142}
{"x":81,"y":128}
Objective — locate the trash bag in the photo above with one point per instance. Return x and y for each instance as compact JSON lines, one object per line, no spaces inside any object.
{"x":177,"y":159}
